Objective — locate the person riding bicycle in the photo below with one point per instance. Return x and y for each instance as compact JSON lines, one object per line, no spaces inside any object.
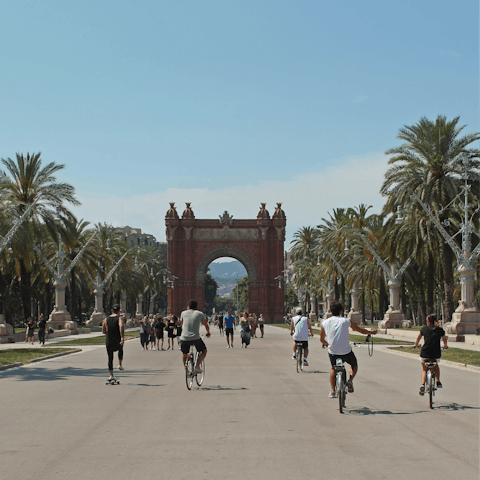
{"x":334,"y":335}
{"x":431,"y":349}
{"x":191,"y":320}
{"x":300,"y":329}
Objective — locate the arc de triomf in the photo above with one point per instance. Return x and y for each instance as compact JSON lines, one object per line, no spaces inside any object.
{"x":258,"y":244}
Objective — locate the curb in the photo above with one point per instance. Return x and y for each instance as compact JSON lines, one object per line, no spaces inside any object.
{"x":39,"y":359}
{"x":449,"y":363}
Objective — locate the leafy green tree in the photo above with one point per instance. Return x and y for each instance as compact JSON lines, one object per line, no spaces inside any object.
{"x":242,"y":287}
{"x":211,"y":287}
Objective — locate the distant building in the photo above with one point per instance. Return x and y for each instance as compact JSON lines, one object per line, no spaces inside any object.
{"x":135,"y":237}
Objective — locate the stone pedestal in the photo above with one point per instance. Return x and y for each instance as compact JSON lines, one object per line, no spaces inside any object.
{"x":466,"y":318}
{"x":5,"y":328}
{"x":60,"y":316}
{"x":98,"y":315}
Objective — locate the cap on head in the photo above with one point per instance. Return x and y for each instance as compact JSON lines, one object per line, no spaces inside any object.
{"x":116,"y":308}
{"x":299,"y":310}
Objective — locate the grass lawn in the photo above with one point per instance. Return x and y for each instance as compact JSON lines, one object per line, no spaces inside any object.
{"x":466,"y":357}
{"x":99,"y":340}
{"x":355,"y":338}
{"x":25,"y":355}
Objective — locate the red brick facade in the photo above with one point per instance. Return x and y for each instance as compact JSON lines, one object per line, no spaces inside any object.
{"x":258,"y":244}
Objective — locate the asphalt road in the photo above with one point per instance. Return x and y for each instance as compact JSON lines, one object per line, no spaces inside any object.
{"x":254,"y":418}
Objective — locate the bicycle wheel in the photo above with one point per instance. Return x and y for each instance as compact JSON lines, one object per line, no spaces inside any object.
{"x":298,"y":355}
{"x":431,"y":387}
{"x":340,"y":392}
{"x":199,"y":377}
{"x":189,"y":372}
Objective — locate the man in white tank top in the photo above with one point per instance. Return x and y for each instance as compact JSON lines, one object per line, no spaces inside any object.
{"x":334,"y":335}
{"x":300,"y":328}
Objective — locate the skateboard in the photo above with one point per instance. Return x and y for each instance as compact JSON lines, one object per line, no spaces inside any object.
{"x":114,"y":381}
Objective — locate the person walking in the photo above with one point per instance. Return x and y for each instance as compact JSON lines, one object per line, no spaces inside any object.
{"x":42,"y":323}
{"x":228,"y":325}
{"x":261,"y":322}
{"x":144,"y":334}
{"x":113,"y":328}
{"x":219,"y":321}
{"x":244,"y":330}
{"x":178,"y":331}
{"x":159,"y":326}
{"x":172,"y":320}
{"x":30,"y":331}
{"x":151,"y":334}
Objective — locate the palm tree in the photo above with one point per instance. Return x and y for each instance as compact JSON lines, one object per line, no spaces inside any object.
{"x":23,"y":181}
{"x":430,"y":162}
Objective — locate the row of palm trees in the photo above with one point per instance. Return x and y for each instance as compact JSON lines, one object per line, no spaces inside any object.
{"x":432,"y":162}
{"x":26,"y":280}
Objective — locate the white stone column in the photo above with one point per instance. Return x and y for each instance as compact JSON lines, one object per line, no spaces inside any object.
{"x":98,"y":315}
{"x":329,"y":298}
{"x":313,"y":310}
{"x":60,"y":315}
{"x":123,"y":302}
{"x":394,"y":317}
{"x":139,"y":312}
{"x":355,"y":315}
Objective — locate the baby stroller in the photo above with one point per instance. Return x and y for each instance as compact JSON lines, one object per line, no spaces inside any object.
{"x":245,"y":334}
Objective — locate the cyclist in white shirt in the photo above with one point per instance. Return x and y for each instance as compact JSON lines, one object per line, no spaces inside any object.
{"x":334,"y":335}
{"x":299,"y":328}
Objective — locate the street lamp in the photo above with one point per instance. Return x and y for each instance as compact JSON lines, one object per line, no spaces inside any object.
{"x":466,"y":318}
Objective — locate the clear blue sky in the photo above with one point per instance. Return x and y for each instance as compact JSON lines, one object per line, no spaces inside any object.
{"x":225,"y":103}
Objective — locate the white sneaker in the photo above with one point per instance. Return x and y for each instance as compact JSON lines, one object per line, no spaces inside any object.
{"x":294,"y":357}
{"x":332,"y":395}
{"x":120,"y":367}
{"x":305,"y":362}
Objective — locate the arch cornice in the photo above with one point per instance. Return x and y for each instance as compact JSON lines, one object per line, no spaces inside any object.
{"x":226,"y":251}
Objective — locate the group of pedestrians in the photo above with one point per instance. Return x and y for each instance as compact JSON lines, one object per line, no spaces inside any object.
{"x":247,"y":322}
{"x":152,"y":331}
{"x":30,"y":330}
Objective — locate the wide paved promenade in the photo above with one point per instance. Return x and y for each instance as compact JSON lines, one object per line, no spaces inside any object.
{"x":254,"y":418}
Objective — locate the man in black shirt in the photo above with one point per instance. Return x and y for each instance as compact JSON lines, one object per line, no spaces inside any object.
{"x":41,"y":329}
{"x":113,"y":329}
{"x":431,"y":349}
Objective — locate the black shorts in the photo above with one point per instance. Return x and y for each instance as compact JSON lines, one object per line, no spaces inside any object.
{"x":350,"y":358}
{"x":304,"y":343}
{"x":159,"y":334}
{"x":229,"y":331}
{"x":199,"y":345}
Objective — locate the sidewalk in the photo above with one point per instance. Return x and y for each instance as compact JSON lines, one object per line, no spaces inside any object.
{"x":55,"y":340}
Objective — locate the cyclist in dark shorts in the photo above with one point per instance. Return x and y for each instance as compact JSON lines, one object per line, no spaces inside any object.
{"x":113,"y":329}
{"x":334,"y":335}
{"x":431,"y":349}
{"x":191,"y":320}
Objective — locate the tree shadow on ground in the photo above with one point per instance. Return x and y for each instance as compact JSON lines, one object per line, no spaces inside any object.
{"x":67,"y":373}
{"x":368,"y":411}
{"x":218,"y":388}
{"x":453,"y":406}
{"x":314,"y":371}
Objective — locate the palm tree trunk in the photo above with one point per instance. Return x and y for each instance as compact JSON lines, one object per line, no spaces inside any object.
{"x":26,"y":289}
{"x":430,"y":283}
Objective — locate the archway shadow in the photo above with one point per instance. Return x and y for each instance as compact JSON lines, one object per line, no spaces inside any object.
{"x":67,"y":373}
{"x":218,"y":388}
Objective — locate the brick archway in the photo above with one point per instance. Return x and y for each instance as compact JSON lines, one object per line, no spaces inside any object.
{"x":257,"y":243}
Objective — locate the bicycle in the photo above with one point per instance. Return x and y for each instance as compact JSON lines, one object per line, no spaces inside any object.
{"x":190,"y":372}
{"x":341,"y":388}
{"x":430,"y":384}
{"x":299,"y":356}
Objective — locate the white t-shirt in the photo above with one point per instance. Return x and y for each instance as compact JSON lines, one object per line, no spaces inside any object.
{"x":336,"y":333}
{"x":301,"y":328}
